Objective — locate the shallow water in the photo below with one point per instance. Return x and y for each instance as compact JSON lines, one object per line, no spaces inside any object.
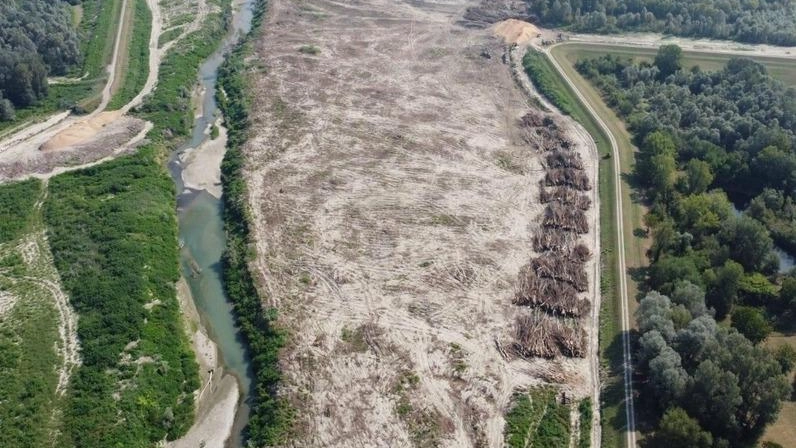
{"x":201,"y":231}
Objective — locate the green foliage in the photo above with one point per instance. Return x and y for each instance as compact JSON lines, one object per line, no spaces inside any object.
{"x":310,"y":49}
{"x":137,"y":69}
{"x":669,"y":60}
{"x":586,"y":414}
{"x":545,"y":78}
{"x":758,"y":21}
{"x":537,"y":420}
{"x":751,"y":323}
{"x":725,"y":259}
{"x":29,"y":358}
{"x":169,"y":107}
{"x":786,"y":357}
{"x":113,"y":235}
{"x":16,"y":205}
{"x":271,"y":417}
{"x":677,"y":429}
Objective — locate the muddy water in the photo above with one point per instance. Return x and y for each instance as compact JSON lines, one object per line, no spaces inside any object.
{"x":201,"y":232}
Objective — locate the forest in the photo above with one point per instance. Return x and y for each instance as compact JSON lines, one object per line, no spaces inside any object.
{"x":706,"y":140}
{"x":37,"y":39}
{"x":753,"y":21}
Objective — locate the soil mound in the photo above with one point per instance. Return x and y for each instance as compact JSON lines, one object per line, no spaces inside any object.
{"x":515,"y":31}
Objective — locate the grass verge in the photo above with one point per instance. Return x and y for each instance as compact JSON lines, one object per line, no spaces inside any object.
{"x":612,"y":415}
{"x":271,"y":417}
{"x":136,"y":62}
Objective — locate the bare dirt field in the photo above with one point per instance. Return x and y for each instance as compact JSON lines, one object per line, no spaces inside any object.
{"x":394,"y":202}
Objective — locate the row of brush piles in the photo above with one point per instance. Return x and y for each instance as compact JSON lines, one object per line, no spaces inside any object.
{"x":552,"y":283}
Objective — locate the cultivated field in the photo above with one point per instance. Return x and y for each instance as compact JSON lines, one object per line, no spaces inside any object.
{"x":395,"y":196}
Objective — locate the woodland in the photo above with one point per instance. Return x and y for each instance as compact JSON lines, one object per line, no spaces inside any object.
{"x":754,"y":21}
{"x":715,"y":157}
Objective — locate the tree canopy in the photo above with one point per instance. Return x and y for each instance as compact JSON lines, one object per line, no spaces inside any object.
{"x":37,"y":38}
{"x":758,"y":21}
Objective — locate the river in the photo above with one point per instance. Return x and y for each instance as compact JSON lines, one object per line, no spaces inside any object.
{"x":201,"y":227}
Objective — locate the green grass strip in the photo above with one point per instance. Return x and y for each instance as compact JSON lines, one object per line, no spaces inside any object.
{"x":137,"y":70}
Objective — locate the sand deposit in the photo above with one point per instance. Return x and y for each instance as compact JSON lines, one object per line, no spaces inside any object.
{"x":514,"y":31}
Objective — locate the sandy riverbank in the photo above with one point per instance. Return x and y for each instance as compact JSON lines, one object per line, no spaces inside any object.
{"x":217,"y":399}
{"x":202,"y":165}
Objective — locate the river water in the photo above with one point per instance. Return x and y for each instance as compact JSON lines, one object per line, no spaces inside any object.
{"x":201,"y":231}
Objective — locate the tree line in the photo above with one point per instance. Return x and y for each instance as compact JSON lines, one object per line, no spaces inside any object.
{"x":757,"y":21}
{"x":37,"y":39}
{"x":701,"y":137}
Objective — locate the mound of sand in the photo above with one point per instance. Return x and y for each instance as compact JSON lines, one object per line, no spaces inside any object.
{"x":515,"y":31}
{"x":81,"y":131}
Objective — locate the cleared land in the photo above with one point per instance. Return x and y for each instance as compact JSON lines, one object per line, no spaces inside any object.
{"x":394,"y":202}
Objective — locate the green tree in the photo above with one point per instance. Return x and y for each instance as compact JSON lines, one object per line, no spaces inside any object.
{"x":748,"y":240}
{"x":751,"y":323}
{"x":677,"y":430}
{"x":723,"y":289}
{"x":668,"y":60}
{"x":698,"y":176}
{"x":786,"y":357}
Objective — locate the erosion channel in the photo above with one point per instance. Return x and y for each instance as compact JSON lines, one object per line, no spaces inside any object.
{"x":196,"y":169}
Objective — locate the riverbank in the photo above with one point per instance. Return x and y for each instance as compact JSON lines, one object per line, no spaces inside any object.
{"x":217,"y":398}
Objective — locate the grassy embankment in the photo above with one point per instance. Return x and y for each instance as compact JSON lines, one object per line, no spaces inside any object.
{"x":113,"y":232}
{"x":271,"y":417}
{"x":98,"y":24}
{"x":546,"y":79}
{"x":29,"y":328}
{"x":135,"y":59}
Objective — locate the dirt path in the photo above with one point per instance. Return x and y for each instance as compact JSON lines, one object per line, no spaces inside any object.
{"x":625,"y":315}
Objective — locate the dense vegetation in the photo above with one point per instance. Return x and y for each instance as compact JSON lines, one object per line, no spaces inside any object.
{"x":36,"y":38}
{"x":758,"y":21}
{"x":544,"y":78}
{"x":16,"y":203}
{"x":701,"y":135}
{"x":113,"y":235}
{"x":136,"y":71}
{"x":734,"y":129}
{"x":271,"y":416}
{"x":537,"y":420}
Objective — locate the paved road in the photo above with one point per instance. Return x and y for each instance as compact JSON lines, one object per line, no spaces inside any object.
{"x":630,"y":413}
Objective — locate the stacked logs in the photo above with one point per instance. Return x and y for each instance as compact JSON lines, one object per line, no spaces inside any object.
{"x":539,"y":335}
{"x":552,"y":282}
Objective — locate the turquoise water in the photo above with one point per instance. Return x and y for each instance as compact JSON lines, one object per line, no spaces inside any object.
{"x":201,"y":231}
